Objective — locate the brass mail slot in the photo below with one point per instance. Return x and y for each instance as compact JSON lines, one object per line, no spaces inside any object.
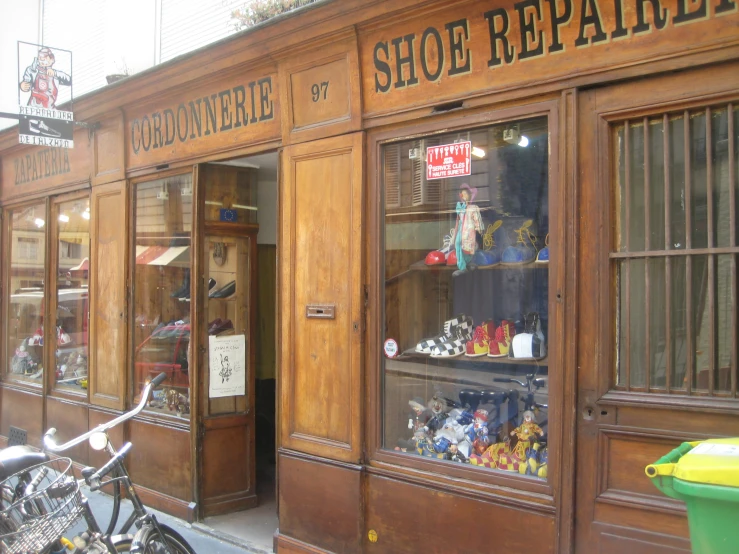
{"x":323,"y":311}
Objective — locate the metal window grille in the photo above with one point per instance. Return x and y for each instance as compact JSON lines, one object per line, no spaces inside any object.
{"x":675,"y":252}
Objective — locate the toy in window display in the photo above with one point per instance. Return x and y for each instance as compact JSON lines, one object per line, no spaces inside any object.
{"x":477,"y":432}
{"x":454,"y":454}
{"x":417,"y":420}
{"x":437,"y":407}
{"x":469,"y":223}
{"x":536,"y":461}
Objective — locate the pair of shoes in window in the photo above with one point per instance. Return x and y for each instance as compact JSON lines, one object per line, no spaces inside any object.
{"x":529,"y":345}
{"x":442,"y":256}
{"x":451,"y":341}
{"x":490,"y":254}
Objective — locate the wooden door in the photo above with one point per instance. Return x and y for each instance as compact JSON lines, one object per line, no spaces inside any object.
{"x":226,"y":316}
{"x":321,"y":318}
{"x":657,"y":273}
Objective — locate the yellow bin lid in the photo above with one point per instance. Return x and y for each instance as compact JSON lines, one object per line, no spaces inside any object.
{"x":712,"y":462}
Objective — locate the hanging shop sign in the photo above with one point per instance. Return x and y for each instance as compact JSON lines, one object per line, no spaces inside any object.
{"x":226,"y":113}
{"x":495,"y":46}
{"x":449,"y":160}
{"x":44,"y":81}
{"x":227,"y":360}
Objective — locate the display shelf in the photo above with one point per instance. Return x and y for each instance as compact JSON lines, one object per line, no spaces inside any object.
{"x":421,"y":266}
{"x":411,"y":354}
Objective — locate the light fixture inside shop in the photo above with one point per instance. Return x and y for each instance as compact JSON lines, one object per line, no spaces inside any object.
{"x":514,"y":136}
{"x":64,"y":218}
{"x":86,"y":214}
{"x":38,"y":222}
{"x":478,"y":152}
{"x":242,"y":207}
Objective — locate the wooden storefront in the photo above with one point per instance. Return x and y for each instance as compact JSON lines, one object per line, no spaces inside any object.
{"x":606,"y":131}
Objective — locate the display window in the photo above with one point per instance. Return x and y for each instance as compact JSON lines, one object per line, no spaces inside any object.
{"x":26,"y":276}
{"x":162,"y":287}
{"x":71,"y":232}
{"x":466,"y":332}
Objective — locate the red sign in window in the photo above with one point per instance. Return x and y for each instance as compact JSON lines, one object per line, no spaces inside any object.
{"x":449,"y":160}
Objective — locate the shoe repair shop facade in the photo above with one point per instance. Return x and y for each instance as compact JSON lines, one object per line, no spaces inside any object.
{"x":492,"y":216}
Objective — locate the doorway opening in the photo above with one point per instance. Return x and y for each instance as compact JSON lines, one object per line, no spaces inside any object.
{"x":258,"y":207}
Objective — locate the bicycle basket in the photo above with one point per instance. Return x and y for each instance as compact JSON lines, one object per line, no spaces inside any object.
{"x":29,"y":522}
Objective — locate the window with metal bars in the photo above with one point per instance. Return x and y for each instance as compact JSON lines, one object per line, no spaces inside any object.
{"x":675,"y":252}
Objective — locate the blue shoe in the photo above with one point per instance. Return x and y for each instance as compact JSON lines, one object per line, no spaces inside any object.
{"x":490,"y":254}
{"x":543,"y":256}
{"x":524,"y":251}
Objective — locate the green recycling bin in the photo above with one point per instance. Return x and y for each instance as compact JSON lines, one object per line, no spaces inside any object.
{"x":705,"y":475}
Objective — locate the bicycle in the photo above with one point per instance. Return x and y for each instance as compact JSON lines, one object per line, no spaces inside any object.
{"x":43,"y":509}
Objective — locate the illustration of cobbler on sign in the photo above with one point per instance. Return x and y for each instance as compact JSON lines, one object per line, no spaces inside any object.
{"x":44,"y":82}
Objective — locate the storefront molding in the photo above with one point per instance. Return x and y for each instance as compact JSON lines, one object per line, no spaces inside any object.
{"x":671,"y":402}
{"x":508,"y":496}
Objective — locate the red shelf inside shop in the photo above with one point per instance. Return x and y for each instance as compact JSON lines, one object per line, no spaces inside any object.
{"x":421,"y":266}
{"x":413,"y":355}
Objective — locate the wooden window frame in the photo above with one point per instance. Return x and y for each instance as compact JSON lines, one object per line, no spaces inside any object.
{"x":50,"y":361}
{"x":509,"y":489}
{"x":608,"y":391}
{"x":148,"y":415}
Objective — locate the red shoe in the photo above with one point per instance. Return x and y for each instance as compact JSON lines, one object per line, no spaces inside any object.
{"x":479,"y":345}
{"x":452,"y":258}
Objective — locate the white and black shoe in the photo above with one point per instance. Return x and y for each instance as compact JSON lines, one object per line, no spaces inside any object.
{"x":450,"y":326}
{"x":38,"y":127}
{"x":453,"y":346}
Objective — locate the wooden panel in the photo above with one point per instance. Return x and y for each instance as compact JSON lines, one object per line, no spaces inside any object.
{"x":25,"y":171}
{"x":209,"y":116}
{"x":470,"y":47}
{"x":693,"y":426}
{"x":228,"y":480}
{"x":22,"y":409}
{"x":70,"y":420}
{"x":613,"y":544}
{"x":333,"y":492}
{"x":160,"y":458}
{"x":109,"y":151}
{"x":407,"y":517}
{"x":286,"y":545}
{"x":322,"y":90}
{"x":107,"y":362}
{"x":321,"y":238}
{"x":115,"y":435}
{"x":624,"y":457}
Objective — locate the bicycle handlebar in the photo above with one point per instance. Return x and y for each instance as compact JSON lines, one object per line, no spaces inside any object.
{"x":51,"y":445}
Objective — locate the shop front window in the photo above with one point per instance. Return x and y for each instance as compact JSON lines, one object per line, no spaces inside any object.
{"x":25,"y":321}
{"x":466,"y":319}
{"x":162,"y":287}
{"x":72,"y":224}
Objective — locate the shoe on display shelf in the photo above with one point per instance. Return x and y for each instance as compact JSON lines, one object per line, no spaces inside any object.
{"x":543,"y":256}
{"x":478,"y":346}
{"x":454,"y":346}
{"x":439,"y":257}
{"x":490,"y":255}
{"x":524,"y":251}
{"x":184,"y":288}
{"x":424,"y":346}
{"x":224,"y":292}
{"x":529,"y":345}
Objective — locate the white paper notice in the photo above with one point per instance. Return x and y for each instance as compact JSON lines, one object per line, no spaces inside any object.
{"x":227,"y":357}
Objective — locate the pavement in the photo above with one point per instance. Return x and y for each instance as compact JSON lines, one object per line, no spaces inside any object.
{"x":209,"y":537}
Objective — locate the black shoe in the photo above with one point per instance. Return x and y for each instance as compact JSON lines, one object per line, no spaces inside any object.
{"x":211,"y":283}
{"x":226,"y":291}
{"x":184,"y":289}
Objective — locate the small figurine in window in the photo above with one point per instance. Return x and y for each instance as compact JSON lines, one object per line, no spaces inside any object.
{"x":438,"y":410}
{"x":417,"y":419}
{"x":469,"y":223}
{"x":477,"y":432}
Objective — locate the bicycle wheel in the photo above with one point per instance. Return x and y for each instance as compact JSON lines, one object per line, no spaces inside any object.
{"x":149,"y":541}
